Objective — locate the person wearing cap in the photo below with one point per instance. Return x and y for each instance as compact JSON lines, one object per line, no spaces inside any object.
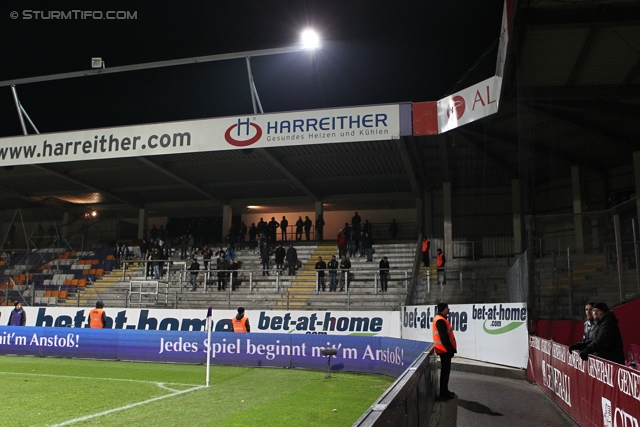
{"x":589,"y":326}
{"x":18,"y":316}
{"x":241,"y":322}
{"x":384,"y":274}
{"x":445,"y":346}
{"x":607,"y":340}
{"x":97,"y":317}
{"x":194,"y":269}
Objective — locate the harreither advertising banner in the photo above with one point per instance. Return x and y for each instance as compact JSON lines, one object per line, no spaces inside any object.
{"x":595,"y":392}
{"x":495,"y":333}
{"x":389,"y":356}
{"x":363,"y":323}
{"x":340,"y":125}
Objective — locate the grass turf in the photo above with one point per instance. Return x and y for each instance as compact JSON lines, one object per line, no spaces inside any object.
{"x":46,"y":392}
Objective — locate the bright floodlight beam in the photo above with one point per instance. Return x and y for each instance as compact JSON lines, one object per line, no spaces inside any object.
{"x":310,"y":39}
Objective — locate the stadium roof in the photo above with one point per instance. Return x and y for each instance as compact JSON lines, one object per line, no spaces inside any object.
{"x":571,"y":96}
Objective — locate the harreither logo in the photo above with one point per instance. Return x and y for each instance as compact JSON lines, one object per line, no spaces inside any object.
{"x":456,"y":107}
{"x":243,"y":133}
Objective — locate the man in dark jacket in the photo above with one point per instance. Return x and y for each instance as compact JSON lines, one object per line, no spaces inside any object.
{"x":194,"y":269}
{"x":607,"y":341}
{"x":18,"y":316}
{"x":345,"y":265}
{"x":384,"y":274}
{"x":321,"y":266}
{"x":333,"y":273}
{"x":264,"y":256}
{"x":279,"y":255}
{"x":292,"y":260}
{"x":589,"y":326}
{"x":307,"y":227}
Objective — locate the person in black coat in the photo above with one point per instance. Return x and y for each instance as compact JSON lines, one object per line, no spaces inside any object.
{"x":607,"y":340}
{"x":280,"y":254}
{"x":321,"y":266}
{"x":384,"y":274}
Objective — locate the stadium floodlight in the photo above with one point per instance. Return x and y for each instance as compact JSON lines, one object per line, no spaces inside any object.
{"x":310,"y":39}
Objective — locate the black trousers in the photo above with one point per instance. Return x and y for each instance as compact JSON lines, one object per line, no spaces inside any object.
{"x":445,"y":372}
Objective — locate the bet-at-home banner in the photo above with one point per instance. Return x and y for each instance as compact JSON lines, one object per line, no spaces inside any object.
{"x":363,"y":323}
{"x":495,"y":333}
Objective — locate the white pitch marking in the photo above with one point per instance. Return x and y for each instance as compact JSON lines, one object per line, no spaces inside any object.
{"x":122,"y":408}
{"x":161,"y":385}
{"x":91,"y":378}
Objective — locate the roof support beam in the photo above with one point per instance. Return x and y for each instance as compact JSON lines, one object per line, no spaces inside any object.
{"x":408,"y":167}
{"x":584,"y":52}
{"x":182,"y":181}
{"x":279,"y":166}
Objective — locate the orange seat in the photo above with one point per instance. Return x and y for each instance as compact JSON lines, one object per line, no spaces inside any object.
{"x":92,"y":271}
{"x":47,"y":293}
{"x":55,"y":293}
{"x":82,"y":282}
{"x":63,"y":295}
{"x":96,"y":261}
{"x":2,"y":263}
{"x":99,"y":272}
{"x":67,"y":282}
{"x":74,"y":282}
{"x":110,"y":258}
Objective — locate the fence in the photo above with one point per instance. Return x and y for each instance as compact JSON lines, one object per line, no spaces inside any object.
{"x":574,"y":258}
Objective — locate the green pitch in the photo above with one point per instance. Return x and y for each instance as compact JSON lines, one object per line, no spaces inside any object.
{"x":55,"y":392}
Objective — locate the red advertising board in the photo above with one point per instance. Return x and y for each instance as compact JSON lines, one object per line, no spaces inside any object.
{"x":594,"y":392}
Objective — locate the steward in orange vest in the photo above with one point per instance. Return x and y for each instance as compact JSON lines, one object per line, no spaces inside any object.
{"x":426,"y":247}
{"x":240,"y":322}
{"x":445,"y":346}
{"x":97,"y":317}
{"x":440,"y":259}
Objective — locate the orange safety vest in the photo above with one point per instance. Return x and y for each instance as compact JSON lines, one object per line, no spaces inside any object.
{"x":95,"y":318}
{"x":440,"y":260}
{"x":440,"y":348}
{"x":426,"y":245}
{"x":239,"y":325}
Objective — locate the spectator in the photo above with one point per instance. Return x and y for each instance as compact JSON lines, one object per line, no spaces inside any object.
{"x":143,"y":249}
{"x":299,"y":225}
{"x":264,"y":257}
{"x":384,"y":274}
{"x":393,"y":229}
{"x":190,"y":244}
{"x":157,"y":260}
{"x":124,"y":252}
{"x":589,"y":325}
{"x":221,"y":266}
{"x":368,"y":247}
{"x":321,"y":266}
{"x":253,"y":232}
{"x":194,"y":269}
{"x":426,"y":248}
{"x":361,"y":238}
{"x":307,"y":227}
{"x":280,"y":254}
{"x":367,"y":228}
{"x":333,"y":273}
{"x":283,"y":228}
{"x":352,"y":238}
{"x":97,"y":317}
{"x":243,"y":234}
{"x":18,"y":316}
{"x":342,"y":243}
{"x":184,"y":244}
{"x":345,"y":265}
{"x":292,"y":260}
{"x":273,"y":226}
{"x":231,"y":253}
{"x":207,"y":254}
{"x":241,"y":322}
{"x":607,"y":340}
{"x":356,"y":220}
{"x":233,"y":273}
{"x":262,"y":226}
{"x":116,"y":255}
{"x":319,"y":227}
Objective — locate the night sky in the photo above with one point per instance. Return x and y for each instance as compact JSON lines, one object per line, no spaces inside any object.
{"x":373,"y":52}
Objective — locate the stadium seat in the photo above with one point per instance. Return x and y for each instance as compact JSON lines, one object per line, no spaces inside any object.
{"x":63,"y":295}
{"x":48,"y":293}
{"x":82,"y":283}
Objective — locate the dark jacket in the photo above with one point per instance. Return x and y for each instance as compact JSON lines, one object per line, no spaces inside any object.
{"x":587,"y":336}
{"x":384,"y":267}
{"x":18,"y":317}
{"x":292,"y":256}
{"x":607,"y":341}
{"x":264,"y":253}
{"x":321,"y":265}
{"x":280,"y":254}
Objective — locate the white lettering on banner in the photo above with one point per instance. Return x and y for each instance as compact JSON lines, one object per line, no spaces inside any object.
{"x":575,"y":362}
{"x":629,"y":383}
{"x":557,"y":382}
{"x":545,"y":347}
{"x":339,"y":125}
{"x":534,"y":342}
{"x":601,"y":371}
{"x":559,"y":352}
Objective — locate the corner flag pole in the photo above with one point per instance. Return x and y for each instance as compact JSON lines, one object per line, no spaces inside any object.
{"x":209,"y":312}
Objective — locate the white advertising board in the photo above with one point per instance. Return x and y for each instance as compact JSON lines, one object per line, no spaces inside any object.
{"x":470,"y":104}
{"x":495,"y":333}
{"x":366,"y":323}
{"x":338,"y":125}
